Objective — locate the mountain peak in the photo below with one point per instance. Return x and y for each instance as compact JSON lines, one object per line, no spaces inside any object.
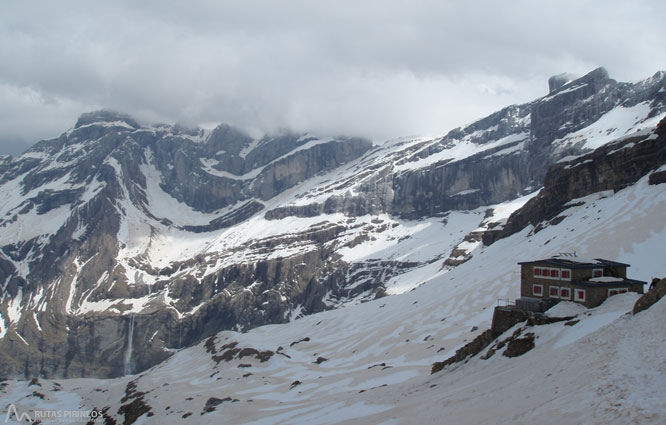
{"x":105,"y":116}
{"x":598,"y":75}
{"x":557,"y":81}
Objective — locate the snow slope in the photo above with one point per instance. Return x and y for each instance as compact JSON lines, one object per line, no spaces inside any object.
{"x":619,"y":122}
{"x":606,"y":369}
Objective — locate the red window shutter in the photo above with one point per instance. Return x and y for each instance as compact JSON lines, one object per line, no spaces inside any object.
{"x":553,"y":273}
{"x":554,"y":291}
{"x":537,"y":271}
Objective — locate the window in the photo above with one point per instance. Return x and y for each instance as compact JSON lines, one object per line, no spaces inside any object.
{"x":623,"y":290}
{"x":597,"y":272}
{"x":537,"y":290}
{"x":565,"y":293}
{"x":579,"y":295}
{"x":616,"y":291}
{"x":554,"y":292}
{"x":551,"y":273}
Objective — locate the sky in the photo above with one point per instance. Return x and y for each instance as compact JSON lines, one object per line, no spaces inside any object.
{"x":378,"y":69}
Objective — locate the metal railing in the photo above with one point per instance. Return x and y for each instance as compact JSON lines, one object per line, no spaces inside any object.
{"x":501,"y":302}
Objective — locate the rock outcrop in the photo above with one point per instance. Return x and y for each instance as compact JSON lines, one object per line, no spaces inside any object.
{"x":462,"y":185}
{"x":557,"y":81}
{"x":656,"y":292}
{"x":611,"y":167}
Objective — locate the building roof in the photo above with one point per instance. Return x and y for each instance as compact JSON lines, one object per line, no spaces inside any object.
{"x":577,"y":262}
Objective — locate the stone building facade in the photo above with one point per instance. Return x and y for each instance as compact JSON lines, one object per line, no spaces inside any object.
{"x":570,"y":278}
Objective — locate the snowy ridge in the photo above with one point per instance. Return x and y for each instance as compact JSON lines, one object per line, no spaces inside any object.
{"x":462,"y":149}
{"x":617,"y":123}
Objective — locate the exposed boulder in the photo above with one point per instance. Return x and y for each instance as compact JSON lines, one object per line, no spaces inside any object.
{"x":656,"y":292}
{"x":468,"y":350}
{"x":519,"y":346}
{"x":658,"y":177}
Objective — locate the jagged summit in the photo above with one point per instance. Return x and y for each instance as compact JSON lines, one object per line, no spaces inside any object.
{"x":557,"y":81}
{"x":231,"y":139}
{"x":596,"y":77}
{"x":106,"y":116}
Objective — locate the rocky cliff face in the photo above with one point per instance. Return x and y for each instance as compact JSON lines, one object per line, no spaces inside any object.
{"x":122,"y":242}
{"x":497,"y":158}
{"x":574,"y":106}
{"x":82,"y":211}
{"x":482,"y":179}
{"x":611,"y":167}
{"x":520,"y":142}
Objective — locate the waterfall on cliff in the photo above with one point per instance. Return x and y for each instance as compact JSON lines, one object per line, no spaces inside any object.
{"x":127,"y":361}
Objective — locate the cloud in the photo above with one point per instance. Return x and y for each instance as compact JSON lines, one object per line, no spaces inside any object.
{"x":375,"y":68}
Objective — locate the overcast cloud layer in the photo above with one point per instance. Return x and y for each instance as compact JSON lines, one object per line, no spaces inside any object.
{"x":379,"y":69}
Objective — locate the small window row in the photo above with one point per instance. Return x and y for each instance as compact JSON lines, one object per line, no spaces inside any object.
{"x":552,"y":273}
{"x":559,"y":292}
